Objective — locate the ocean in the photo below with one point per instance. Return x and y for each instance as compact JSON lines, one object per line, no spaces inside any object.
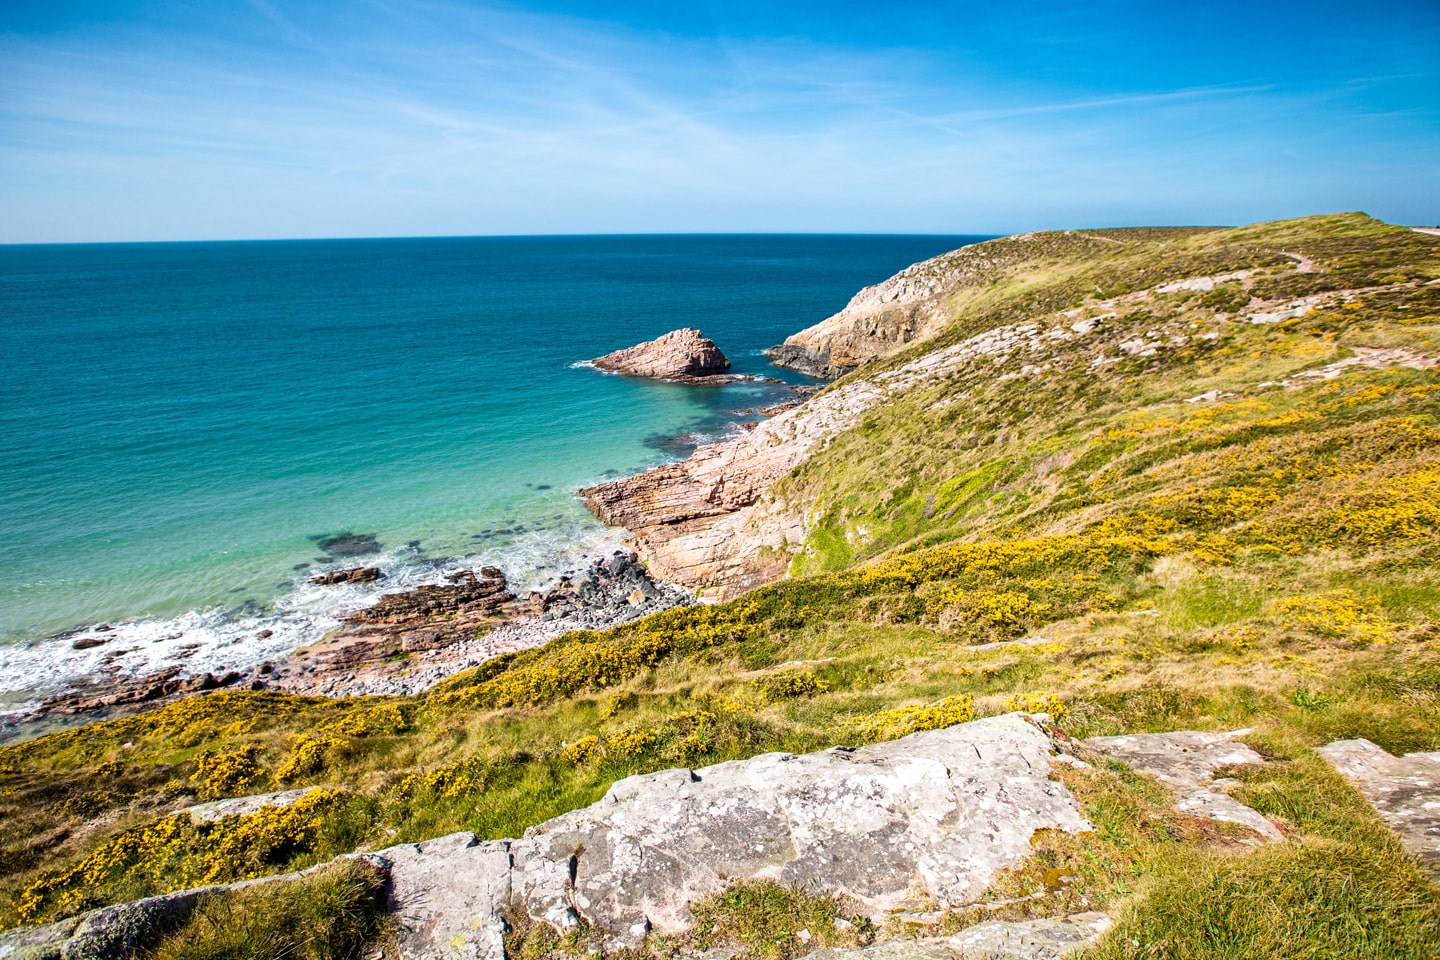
{"x":189,"y":431}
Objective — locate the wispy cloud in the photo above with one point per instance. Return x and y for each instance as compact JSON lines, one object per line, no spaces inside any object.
{"x":453,"y":118}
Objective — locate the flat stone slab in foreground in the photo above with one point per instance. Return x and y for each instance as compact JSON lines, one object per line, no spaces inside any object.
{"x":934,"y":814}
{"x":928,"y":819}
{"x":996,"y":940}
{"x":1405,"y":791}
{"x":1186,"y":761}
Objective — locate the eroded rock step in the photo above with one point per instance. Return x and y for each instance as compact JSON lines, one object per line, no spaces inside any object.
{"x":997,"y":940}
{"x":1404,"y":790}
{"x":1186,"y":761}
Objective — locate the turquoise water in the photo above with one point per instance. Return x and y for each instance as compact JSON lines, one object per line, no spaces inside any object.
{"x":182,"y":424}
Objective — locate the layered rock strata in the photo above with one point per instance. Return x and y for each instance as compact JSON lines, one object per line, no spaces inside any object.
{"x":708,"y":522}
{"x":410,"y":641}
{"x":881,"y":319}
{"x":350,"y":575}
{"x":1048,"y":939}
{"x":683,"y":354}
{"x":695,"y":522}
{"x":712,"y":522}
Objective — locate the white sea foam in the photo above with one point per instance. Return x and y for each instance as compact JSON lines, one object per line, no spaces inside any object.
{"x":217,"y":641}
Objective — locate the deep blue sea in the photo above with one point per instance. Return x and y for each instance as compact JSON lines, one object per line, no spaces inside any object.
{"x":183,"y":424}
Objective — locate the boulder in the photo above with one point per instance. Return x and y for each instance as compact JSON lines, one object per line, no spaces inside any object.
{"x":679,"y":354}
{"x":448,"y":896}
{"x":38,"y":943}
{"x":935,"y":815}
{"x":130,"y":928}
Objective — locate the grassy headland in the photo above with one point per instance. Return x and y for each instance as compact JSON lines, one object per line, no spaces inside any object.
{"x":1212,"y":523}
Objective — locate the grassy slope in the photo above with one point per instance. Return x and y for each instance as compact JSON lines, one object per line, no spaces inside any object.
{"x":1267,"y":560}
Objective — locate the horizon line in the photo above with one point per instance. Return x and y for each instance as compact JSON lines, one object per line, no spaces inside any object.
{"x":505,"y":236}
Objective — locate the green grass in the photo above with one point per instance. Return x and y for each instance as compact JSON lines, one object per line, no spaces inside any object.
{"x":774,"y":922}
{"x":335,"y":914}
{"x":1341,"y":888}
{"x":1268,"y":560}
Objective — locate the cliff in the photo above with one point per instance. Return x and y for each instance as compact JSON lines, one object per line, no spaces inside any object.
{"x":881,"y":319}
{"x":1154,"y":484}
{"x":924,"y":299}
{"x":1013,"y":328}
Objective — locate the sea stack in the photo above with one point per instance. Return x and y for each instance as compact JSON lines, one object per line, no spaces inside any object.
{"x":679,"y":355}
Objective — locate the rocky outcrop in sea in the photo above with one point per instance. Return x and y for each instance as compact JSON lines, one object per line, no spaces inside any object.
{"x":682,"y":355}
{"x":406,"y":642}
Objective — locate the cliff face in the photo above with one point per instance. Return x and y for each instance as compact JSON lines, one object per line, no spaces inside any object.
{"x":876,"y":322}
{"x":707,"y":522}
{"x":714,"y":523}
{"x":915,"y":304}
{"x":1021,"y":327}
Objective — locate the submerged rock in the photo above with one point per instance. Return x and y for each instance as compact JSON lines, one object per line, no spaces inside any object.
{"x":349,"y":544}
{"x":679,"y":354}
{"x":350,"y":575}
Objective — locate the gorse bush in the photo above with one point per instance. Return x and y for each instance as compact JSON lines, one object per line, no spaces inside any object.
{"x":787,"y":686}
{"x":902,"y":721}
{"x":178,"y":852}
{"x":227,"y":773}
{"x":1225,"y":525}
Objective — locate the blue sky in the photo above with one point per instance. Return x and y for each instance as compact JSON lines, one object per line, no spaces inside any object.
{"x":156,"y":119}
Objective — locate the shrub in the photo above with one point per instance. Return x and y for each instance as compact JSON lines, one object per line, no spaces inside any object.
{"x":787,"y":686}
{"x":1038,"y":703}
{"x":176,"y":852}
{"x":227,"y":773}
{"x":891,"y":724}
{"x":1340,"y":614}
{"x":306,"y":756}
{"x":581,"y":750}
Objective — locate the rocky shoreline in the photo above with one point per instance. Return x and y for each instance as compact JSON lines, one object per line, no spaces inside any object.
{"x":412,"y":639}
{"x":410,"y":642}
{"x":405,"y":643}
